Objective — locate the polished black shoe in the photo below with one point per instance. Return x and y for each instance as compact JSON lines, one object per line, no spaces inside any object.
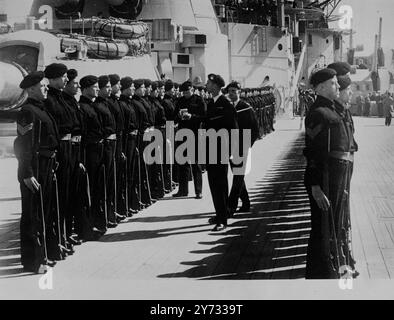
{"x":74,"y":242}
{"x":132,"y":212}
{"x":50,"y":263}
{"x":120,"y":217}
{"x":94,"y":235}
{"x":198,"y":196}
{"x":100,"y":231}
{"x":179,"y":195}
{"x":158,"y":195}
{"x":212,"y":220}
{"x":41,"y":269}
{"x":166,"y":191}
{"x":57,"y":256}
{"x":144,"y":205}
{"x":243,"y":209}
{"x":68,"y":250}
{"x":219,"y":227}
{"x":111,"y":224}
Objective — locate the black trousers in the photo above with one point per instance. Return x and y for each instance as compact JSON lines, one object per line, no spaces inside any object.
{"x":80,"y":206}
{"x":120,"y":186}
{"x":238,"y":191}
{"x":168,"y":168}
{"x":32,"y":221}
{"x":156,"y":176}
{"x":94,"y":156}
{"x":144,"y":175}
{"x":388,"y":120}
{"x":74,"y":198}
{"x":321,"y":258}
{"x":63,"y":177}
{"x":133,"y":173}
{"x":218,"y":184}
{"x":109,"y":162}
{"x":184,"y":173}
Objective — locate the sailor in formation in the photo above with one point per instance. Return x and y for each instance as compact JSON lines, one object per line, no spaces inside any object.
{"x":329,"y":150}
{"x":80,"y":149}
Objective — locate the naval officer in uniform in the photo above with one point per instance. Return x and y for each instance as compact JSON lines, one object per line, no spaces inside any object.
{"x":221,"y":114}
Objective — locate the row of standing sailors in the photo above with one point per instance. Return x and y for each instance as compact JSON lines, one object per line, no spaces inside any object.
{"x":87,"y":156}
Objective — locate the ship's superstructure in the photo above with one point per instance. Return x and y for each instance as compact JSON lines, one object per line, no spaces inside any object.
{"x":185,"y":39}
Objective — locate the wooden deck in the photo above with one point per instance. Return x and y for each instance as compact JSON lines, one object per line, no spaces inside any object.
{"x":171,"y":243}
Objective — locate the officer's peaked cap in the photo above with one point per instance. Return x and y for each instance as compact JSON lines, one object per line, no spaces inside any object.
{"x":234,"y":84}
{"x":217,"y":79}
{"x":186,"y":86}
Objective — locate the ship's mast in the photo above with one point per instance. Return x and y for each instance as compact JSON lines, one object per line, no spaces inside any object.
{"x":380,"y":33}
{"x":328,"y":5}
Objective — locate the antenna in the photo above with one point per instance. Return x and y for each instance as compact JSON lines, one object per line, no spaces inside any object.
{"x":380,"y":33}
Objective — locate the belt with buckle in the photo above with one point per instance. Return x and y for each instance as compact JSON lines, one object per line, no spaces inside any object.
{"x":66,"y":137}
{"x":111,"y":137}
{"x":340,"y":155}
{"x":76,"y":139}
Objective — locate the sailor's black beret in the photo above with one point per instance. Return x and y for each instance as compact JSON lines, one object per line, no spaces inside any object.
{"x":88,"y":81}
{"x":103,"y":81}
{"x":126,"y":82}
{"x":168,"y":85}
{"x":55,"y":70}
{"x":322,"y":76}
{"x":138,"y":83}
{"x":72,"y":74}
{"x":32,"y":79}
{"x":114,"y":79}
{"x":344,"y":82}
{"x":342,"y":68}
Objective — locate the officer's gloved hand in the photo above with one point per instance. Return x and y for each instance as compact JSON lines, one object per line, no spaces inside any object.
{"x":123,"y":157}
{"x":32,"y":184}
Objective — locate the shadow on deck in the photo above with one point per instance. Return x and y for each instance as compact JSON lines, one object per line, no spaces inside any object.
{"x":271,"y":241}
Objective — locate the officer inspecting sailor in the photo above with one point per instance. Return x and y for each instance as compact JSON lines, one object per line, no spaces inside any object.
{"x":80,"y":151}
